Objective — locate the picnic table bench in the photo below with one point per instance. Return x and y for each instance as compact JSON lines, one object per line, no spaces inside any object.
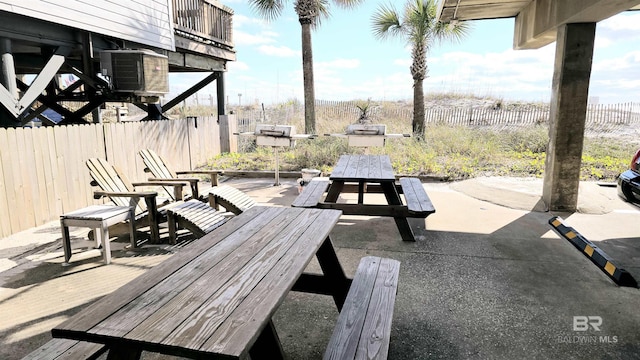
{"x":65,"y":349}
{"x":363,"y":329}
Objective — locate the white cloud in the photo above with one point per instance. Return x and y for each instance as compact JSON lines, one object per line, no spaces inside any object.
{"x":242,"y":38}
{"x":622,"y":22}
{"x":622,"y":27}
{"x":402,"y":62}
{"x":279,"y":51}
{"x":237,"y":66}
{"x":339,"y":64}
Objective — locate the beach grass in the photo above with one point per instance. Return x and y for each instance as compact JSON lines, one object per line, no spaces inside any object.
{"x":448,"y":152}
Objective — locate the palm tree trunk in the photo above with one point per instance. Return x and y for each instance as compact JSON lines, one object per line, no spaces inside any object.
{"x":418,"y":109}
{"x":307,"y":70}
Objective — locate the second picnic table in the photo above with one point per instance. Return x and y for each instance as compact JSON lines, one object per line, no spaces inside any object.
{"x":370,"y":174}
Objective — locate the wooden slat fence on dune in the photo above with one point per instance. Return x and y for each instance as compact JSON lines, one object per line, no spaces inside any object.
{"x":43,"y":172}
{"x":600,"y":117}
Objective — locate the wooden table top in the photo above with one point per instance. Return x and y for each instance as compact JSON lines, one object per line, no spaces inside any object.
{"x":371,"y":168}
{"x":214,"y":296}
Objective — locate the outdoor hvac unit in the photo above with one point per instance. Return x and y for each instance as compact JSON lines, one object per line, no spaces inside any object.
{"x":141,"y":72}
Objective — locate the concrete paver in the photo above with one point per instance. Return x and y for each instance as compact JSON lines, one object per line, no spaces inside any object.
{"x":487,"y":278}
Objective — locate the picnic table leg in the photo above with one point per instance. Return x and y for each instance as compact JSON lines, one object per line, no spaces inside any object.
{"x":334,"y":191}
{"x":405,"y":229}
{"x":268,"y":345}
{"x":124,"y":354}
{"x":333,"y":272}
{"x":66,"y":241}
{"x":393,"y":198}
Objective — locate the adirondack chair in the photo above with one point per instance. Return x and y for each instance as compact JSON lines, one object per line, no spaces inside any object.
{"x":160,"y":171}
{"x":122,"y":192}
{"x":232,"y":199}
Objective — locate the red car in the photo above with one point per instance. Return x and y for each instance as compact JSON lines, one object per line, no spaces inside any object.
{"x":629,"y":181}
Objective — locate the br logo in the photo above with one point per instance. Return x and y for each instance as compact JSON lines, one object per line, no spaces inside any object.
{"x":582,"y":323}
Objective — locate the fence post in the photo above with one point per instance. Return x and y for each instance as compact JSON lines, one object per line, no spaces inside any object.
{"x":228,"y":126}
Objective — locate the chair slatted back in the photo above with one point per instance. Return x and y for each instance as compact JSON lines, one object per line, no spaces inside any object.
{"x":159,"y":169}
{"x":156,"y":165}
{"x":108,"y":178}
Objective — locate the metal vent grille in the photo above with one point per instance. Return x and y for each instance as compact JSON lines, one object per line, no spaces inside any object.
{"x":156,"y":74}
{"x":141,"y":72}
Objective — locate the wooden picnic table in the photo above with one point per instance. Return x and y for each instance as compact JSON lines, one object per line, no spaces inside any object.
{"x":215,"y":298}
{"x":370,"y":173}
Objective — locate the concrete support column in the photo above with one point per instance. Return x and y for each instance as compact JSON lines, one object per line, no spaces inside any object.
{"x":574,"y":55}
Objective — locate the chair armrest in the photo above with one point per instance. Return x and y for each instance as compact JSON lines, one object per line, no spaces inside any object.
{"x":193,"y":182}
{"x":135,"y":194}
{"x":177,"y":186}
{"x":190,"y":180}
{"x":213,"y":173}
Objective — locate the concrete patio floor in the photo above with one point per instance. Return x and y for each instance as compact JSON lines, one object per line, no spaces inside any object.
{"x":487,"y":278}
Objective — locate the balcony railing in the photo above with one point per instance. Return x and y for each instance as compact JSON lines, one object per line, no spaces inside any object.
{"x":206,"y":20}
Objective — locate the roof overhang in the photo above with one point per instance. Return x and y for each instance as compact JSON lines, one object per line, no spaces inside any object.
{"x":536,"y":20}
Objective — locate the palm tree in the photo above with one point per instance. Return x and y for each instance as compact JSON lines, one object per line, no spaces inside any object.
{"x":310,"y":13}
{"x":420,"y":27}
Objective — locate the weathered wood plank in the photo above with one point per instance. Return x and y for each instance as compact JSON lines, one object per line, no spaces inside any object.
{"x":312,"y":193}
{"x":346,"y":335}
{"x":38,"y":151}
{"x":418,"y":201}
{"x":7,"y":196}
{"x":236,"y":337}
{"x":363,"y":168}
{"x":59,"y":349}
{"x":54,"y":184}
{"x":376,"y":331}
{"x":363,"y":328}
{"x":191,"y":317}
{"x":60,"y":140}
{"x":118,"y":300}
{"x":340,"y":168}
{"x":30,"y":175}
{"x":23,"y":205}
{"x":375,"y":167}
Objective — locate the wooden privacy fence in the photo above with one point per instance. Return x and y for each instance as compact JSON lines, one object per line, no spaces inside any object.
{"x":43,"y":172}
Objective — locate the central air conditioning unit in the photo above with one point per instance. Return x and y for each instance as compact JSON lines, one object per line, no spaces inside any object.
{"x":142,"y":73}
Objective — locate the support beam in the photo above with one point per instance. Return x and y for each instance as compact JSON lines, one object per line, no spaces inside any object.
{"x":220,"y":91}
{"x":16,"y":108}
{"x":192,"y":90}
{"x":8,"y":80}
{"x":177,"y":100}
{"x":8,"y":68}
{"x":572,"y":72}
{"x":537,"y":23}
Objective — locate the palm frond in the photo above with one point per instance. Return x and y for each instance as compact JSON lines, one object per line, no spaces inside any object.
{"x":386,"y":23}
{"x":322,"y":11}
{"x":348,"y":4}
{"x":267,"y":9}
{"x":452,"y":32}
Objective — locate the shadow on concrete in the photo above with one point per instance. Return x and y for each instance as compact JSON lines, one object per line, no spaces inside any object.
{"x":463,"y":293}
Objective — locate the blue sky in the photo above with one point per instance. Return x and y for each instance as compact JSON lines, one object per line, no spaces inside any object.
{"x":349,"y":63}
